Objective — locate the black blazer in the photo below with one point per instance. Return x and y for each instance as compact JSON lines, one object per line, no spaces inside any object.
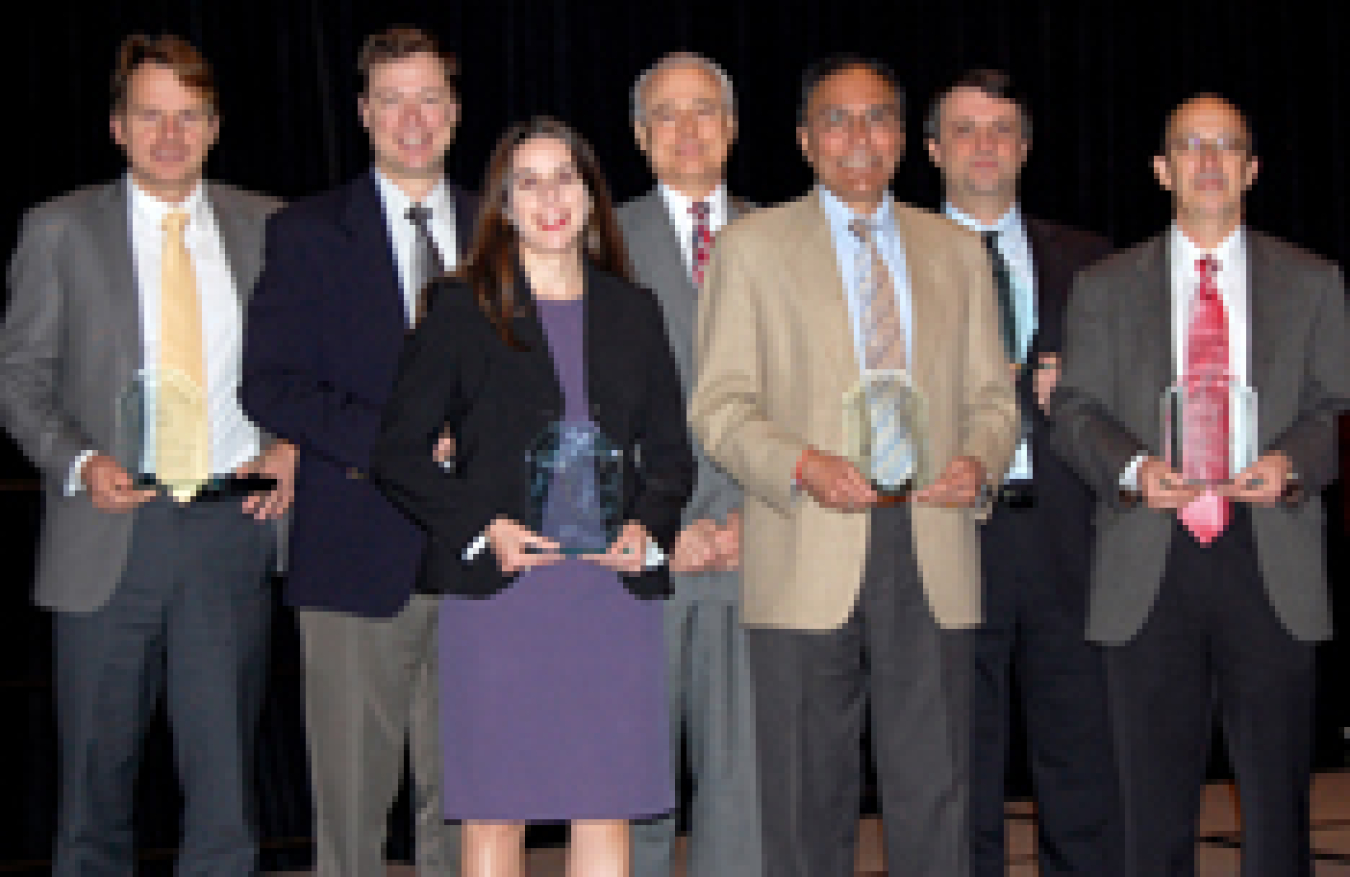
{"x":457,"y":372}
{"x":322,"y":338}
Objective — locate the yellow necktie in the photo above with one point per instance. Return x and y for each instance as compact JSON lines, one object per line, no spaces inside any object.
{"x":182,"y":441}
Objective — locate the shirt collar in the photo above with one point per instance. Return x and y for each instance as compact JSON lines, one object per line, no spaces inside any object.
{"x":1010,"y":222}
{"x":153,"y":210}
{"x":397,"y":202}
{"x":679,"y":203}
{"x":840,"y":215}
{"x":1229,"y":252}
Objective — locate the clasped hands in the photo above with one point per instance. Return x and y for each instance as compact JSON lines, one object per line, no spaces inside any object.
{"x":835,"y":483}
{"x":1262,"y":483}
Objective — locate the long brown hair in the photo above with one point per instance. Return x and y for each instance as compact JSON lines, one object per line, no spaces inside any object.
{"x":491,"y":267}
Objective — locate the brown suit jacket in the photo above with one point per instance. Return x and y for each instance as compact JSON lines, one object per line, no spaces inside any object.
{"x":775,"y":357}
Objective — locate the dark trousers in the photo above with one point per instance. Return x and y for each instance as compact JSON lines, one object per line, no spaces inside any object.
{"x":1212,"y":644}
{"x":1034,"y":621}
{"x":812,"y":692}
{"x":189,"y":617}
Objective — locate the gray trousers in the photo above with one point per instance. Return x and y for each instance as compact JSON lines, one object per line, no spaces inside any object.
{"x":813,"y":690}
{"x":712,"y":706}
{"x":189,"y":616}
{"x":371,"y":688}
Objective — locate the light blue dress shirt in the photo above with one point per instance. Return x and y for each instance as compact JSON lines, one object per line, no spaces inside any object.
{"x":847,"y":247}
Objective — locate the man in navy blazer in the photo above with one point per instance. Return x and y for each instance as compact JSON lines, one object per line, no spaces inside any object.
{"x":326,"y":325}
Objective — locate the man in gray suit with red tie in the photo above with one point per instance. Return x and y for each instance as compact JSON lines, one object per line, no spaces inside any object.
{"x":1209,"y":583}
{"x":343,"y":283}
{"x":684,"y":118}
{"x":147,"y":274}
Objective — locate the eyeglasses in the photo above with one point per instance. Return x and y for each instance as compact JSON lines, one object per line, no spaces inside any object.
{"x":1224,"y":144}
{"x":668,"y":116}
{"x":390,"y":101}
{"x":837,"y":120}
{"x":146,"y":117}
{"x":530,"y":184}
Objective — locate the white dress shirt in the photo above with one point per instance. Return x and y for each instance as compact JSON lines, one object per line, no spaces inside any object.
{"x":1233,"y":292}
{"x":404,"y":234}
{"x":234,"y":439}
{"x":678,"y":205}
{"x":1015,"y":248}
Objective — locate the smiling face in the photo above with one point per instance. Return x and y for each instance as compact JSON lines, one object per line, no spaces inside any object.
{"x":547,"y":201}
{"x":166,"y":129}
{"x":686,"y":129}
{"x":980,"y":147}
{"x":411,"y":111}
{"x":1208,"y":166}
{"x":853,"y":136}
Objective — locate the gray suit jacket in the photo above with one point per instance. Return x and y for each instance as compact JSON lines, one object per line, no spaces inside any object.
{"x":70,"y":343}
{"x":1118,"y":360}
{"x":658,"y":264}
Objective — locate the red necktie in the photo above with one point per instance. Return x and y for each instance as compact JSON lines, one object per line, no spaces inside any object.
{"x":1205,"y":413}
{"x":702,"y":239}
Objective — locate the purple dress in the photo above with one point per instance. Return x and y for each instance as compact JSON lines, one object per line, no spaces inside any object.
{"x":553,"y":701}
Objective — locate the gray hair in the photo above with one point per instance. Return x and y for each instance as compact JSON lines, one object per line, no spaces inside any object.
{"x":638,"y":108}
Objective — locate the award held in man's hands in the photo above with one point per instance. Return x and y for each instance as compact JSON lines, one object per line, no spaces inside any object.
{"x":576,"y":487}
{"x":164,"y":442}
{"x":1209,"y":428}
{"x":884,"y":432}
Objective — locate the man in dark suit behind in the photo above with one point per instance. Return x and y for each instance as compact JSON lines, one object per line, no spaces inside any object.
{"x":684,"y":117}
{"x":147,"y":274}
{"x":1208,"y":600}
{"x":1036,"y":545}
{"x":326,"y":325}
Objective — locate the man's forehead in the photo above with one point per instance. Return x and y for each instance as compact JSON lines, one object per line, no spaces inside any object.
{"x":1208,"y":116}
{"x":970,"y":102}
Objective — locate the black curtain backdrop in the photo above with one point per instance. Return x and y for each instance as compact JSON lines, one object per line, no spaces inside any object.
{"x":1101,"y":77}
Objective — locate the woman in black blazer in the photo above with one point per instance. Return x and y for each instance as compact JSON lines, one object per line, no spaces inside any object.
{"x":552,"y":667}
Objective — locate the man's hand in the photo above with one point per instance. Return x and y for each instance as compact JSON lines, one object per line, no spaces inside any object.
{"x":518,"y":548}
{"x":1044,"y":378}
{"x":444,"y":452}
{"x":1162,"y":487}
{"x":834,"y":482}
{"x":728,"y":542}
{"x":695,"y":548}
{"x":628,"y":554}
{"x":111,"y":488}
{"x":278,"y":461}
{"x":1263,"y":482}
{"x":958,"y":485}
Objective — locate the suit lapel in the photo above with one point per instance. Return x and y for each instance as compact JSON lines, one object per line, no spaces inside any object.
{"x":816,"y":280}
{"x":1266,"y":318}
{"x":111,"y":230}
{"x":1152,"y":356}
{"x":236,"y":238}
{"x":373,"y":264}
{"x":927,"y":311}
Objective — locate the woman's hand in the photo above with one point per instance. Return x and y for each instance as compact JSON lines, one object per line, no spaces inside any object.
{"x":628,"y":553}
{"x":519,"y":548}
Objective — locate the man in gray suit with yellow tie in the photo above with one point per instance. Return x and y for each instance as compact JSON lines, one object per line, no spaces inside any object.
{"x":684,"y":118}
{"x":147,"y":273}
{"x":1208,"y":600}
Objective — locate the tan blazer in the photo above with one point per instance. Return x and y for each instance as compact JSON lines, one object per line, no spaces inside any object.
{"x":775,"y":357}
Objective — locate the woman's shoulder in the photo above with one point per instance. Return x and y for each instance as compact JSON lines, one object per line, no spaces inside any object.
{"x":621,"y":295}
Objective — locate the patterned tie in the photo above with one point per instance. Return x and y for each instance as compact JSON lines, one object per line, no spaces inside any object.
{"x":884,"y":341}
{"x":182,"y":440}
{"x":703,"y":239}
{"x":1205,"y":412}
{"x":427,"y":262}
{"x":1007,"y":315}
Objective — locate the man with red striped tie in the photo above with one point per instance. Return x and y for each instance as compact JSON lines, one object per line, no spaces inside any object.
{"x":1209,"y":589}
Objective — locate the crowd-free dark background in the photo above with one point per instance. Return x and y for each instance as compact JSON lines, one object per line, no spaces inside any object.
{"x":1100,"y":75}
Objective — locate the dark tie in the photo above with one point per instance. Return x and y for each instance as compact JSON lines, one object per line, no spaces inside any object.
{"x":1007,"y":315}
{"x":1205,"y":413}
{"x":702,"y":239}
{"x":427,"y":262}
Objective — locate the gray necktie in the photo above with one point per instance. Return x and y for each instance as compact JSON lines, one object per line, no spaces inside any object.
{"x":427,"y":262}
{"x":883,"y":333}
{"x":1007,"y":314}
